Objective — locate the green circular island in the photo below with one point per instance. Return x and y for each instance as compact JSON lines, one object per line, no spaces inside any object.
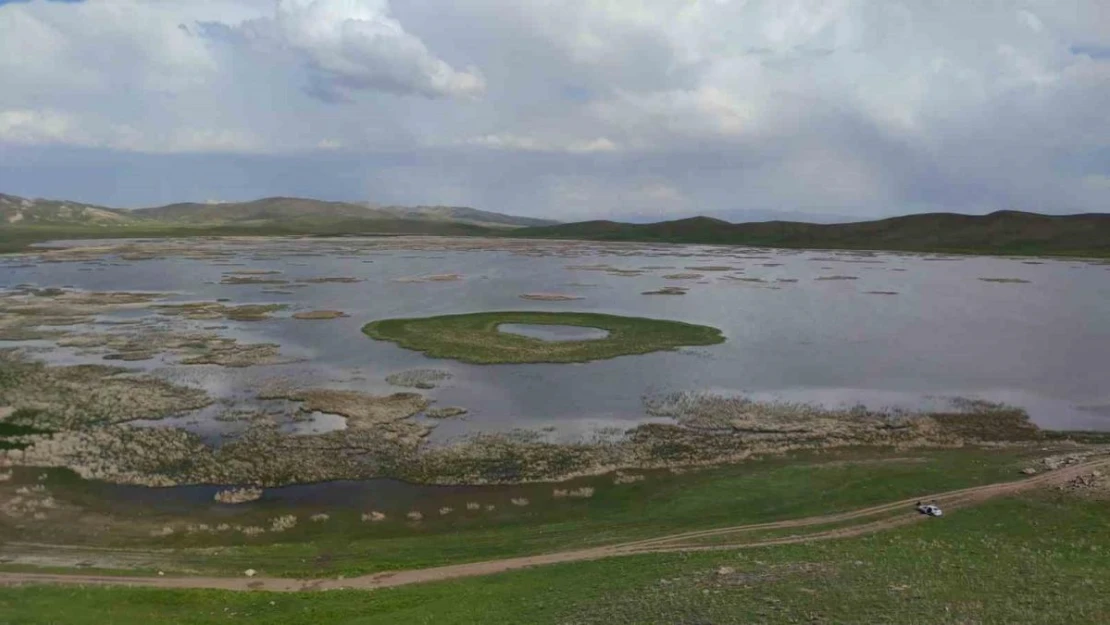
{"x":477,"y":337}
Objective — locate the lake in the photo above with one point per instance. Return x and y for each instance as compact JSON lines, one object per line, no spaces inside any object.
{"x":885,"y":330}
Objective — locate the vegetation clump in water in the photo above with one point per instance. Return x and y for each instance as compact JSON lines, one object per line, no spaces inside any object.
{"x":475,"y":338}
{"x":360,"y":409}
{"x":216,"y":310}
{"x":418,"y":378}
{"x":250,"y":279}
{"x":438,"y":277}
{"x":239,"y":495}
{"x":446,"y":412}
{"x":382,"y":440}
{"x":194,"y":348}
{"x":79,"y":396}
{"x":550,"y":297}
{"x":331,"y":279}
{"x":319,"y":314}
{"x":667,"y":290}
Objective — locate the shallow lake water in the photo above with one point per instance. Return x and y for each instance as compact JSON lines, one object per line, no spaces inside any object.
{"x":885,"y":330}
{"x":553,"y":333}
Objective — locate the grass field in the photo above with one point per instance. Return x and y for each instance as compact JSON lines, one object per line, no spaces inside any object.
{"x":474,"y":338}
{"x":780,"y":488}
{"x":1039,"y":559}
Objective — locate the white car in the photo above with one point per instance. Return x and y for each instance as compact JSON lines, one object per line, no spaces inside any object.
{"x":929,"y":509}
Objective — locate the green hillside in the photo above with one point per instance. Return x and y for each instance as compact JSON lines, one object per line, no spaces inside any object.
{"x":279,"y":211}
{"x":263,"y":210}
{"x":1002,"y":232}
{"x":463,"y":214}
{"x":15,"y":210}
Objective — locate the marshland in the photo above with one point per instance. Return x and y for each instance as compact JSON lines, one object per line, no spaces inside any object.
{"x":168,"y":389}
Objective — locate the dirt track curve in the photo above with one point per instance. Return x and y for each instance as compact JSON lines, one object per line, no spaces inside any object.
{"x":890,"y":515}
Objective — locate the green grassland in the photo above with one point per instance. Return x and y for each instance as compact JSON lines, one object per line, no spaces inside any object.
{"x":1037,"y":559}
{"x":786,"y":487}
{"x":474,"y":338}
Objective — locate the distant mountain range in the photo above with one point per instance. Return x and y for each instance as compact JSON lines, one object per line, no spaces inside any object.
{"x":1002,"y":232}
{"x":268,"y":211}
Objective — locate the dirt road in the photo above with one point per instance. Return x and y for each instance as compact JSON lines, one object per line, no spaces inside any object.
{"x":872,"y":519}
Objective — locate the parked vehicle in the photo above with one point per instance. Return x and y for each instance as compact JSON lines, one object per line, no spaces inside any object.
{"x":929,"y":509}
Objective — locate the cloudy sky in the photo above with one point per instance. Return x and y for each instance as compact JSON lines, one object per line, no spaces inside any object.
{"x":566,"y":108}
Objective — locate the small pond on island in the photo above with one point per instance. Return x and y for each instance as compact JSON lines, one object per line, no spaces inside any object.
{"x":553,"y":333}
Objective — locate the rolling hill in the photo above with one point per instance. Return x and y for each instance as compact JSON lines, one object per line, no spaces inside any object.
{"x":18,"y":210}
{"x":258,"y":211}
{"x":463,"y":214}
{"x":273,"y":211}
{"x":278,"y":209}
{"x":1002,"y":232}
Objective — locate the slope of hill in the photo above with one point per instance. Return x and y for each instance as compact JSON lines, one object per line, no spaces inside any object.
{"x":280,"y":209}
{"x":263,"y":210}
{"x":18,"y":210}
{"x":463,"y":214}
{"x":1002,"y":232}
{"x":277,"y":211}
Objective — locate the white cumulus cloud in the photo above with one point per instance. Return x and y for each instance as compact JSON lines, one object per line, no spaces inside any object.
{"x":572,"y":108}
{"x":355,"y":45}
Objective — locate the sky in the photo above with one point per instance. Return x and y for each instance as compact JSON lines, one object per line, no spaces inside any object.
{"x":570,"y":109}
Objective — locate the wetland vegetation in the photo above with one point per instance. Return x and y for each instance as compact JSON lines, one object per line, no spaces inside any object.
{"x":474,"y":338}
{"x":433,"y":482}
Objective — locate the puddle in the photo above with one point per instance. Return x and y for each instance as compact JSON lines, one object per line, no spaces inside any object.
{"x":554,"y":333}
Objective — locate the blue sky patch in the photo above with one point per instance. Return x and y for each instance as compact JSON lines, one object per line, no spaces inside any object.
{"x":1095,"y":52}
